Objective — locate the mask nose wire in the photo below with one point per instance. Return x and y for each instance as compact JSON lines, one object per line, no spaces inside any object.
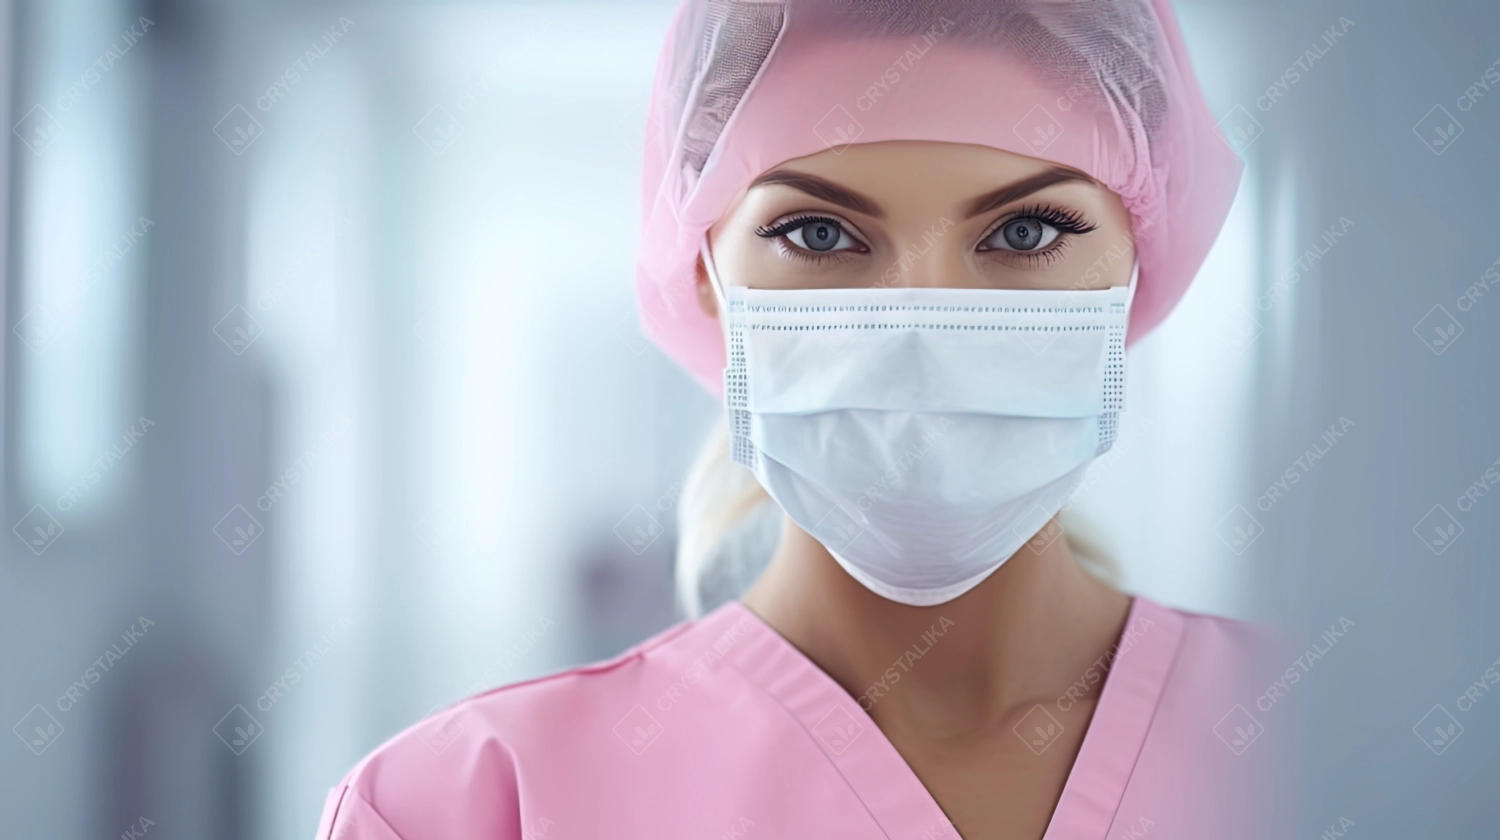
{"x":723,"y":306}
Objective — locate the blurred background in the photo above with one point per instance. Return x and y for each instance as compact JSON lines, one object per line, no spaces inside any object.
{"x":326,"y":404}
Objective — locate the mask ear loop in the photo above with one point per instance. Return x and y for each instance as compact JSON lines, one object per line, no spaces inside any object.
{"x":1135,"y":273}
{"x":713,"y":280}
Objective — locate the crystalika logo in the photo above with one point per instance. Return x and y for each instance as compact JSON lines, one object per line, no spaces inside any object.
{"x":38,"y":529}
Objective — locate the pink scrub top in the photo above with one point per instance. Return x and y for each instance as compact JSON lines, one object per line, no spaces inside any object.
{"x":720,"y":728}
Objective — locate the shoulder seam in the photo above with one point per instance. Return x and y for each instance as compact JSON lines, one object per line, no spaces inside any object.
{"x":337,"y":807}
{"x":335,"y":827}
{"x":630,"y":654}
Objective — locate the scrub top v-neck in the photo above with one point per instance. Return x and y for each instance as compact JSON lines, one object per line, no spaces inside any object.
{"x":721,"y":728}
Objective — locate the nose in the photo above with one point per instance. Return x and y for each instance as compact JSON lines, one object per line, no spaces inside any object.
{"x":930,"y":259}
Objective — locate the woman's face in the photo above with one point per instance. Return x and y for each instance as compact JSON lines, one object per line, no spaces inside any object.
{"x":921,"y":213}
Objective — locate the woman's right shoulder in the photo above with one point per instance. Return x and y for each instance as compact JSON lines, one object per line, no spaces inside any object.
{"x":456,"y":773}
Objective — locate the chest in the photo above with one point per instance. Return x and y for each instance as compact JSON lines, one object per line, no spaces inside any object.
{"x":1003,"y":785}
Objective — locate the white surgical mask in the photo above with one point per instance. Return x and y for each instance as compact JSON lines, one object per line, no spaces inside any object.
{"x":922,"y":435}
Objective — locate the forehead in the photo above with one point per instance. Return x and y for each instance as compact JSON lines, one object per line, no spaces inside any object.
{"x":912,"y":172}
{"x":917,"y":157}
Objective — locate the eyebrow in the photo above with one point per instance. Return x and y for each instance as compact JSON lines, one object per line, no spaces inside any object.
{"x":1020,"y":189}
{"x":819,"y":188}
{"x":845,"y":197}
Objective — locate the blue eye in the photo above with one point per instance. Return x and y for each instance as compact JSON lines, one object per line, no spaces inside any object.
{"x":817,"y":234}
{"x":1023,"y":235}
{"x":1034,"y":228}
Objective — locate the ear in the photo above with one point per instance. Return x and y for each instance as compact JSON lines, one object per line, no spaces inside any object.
{"x":705,"y":289}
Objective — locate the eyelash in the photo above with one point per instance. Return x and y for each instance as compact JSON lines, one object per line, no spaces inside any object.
{"x":778,"y":232}
{"x":792,"y":224}
{"x":1064,"y":220}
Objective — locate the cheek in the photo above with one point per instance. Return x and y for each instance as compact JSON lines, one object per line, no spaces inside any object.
{"x":1108,"y":256}
{"x":746,"y":259}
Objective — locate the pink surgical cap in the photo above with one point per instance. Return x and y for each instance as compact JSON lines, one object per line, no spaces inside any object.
{"x":1102,"y":86}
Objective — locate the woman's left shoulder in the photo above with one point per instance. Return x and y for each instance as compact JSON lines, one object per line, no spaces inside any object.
{"x":1204,"y":639}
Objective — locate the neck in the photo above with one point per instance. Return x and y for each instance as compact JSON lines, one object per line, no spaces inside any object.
{"x":1022,"y":637}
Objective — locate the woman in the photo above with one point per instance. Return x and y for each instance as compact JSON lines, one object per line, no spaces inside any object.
{"x":907,"y":243}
